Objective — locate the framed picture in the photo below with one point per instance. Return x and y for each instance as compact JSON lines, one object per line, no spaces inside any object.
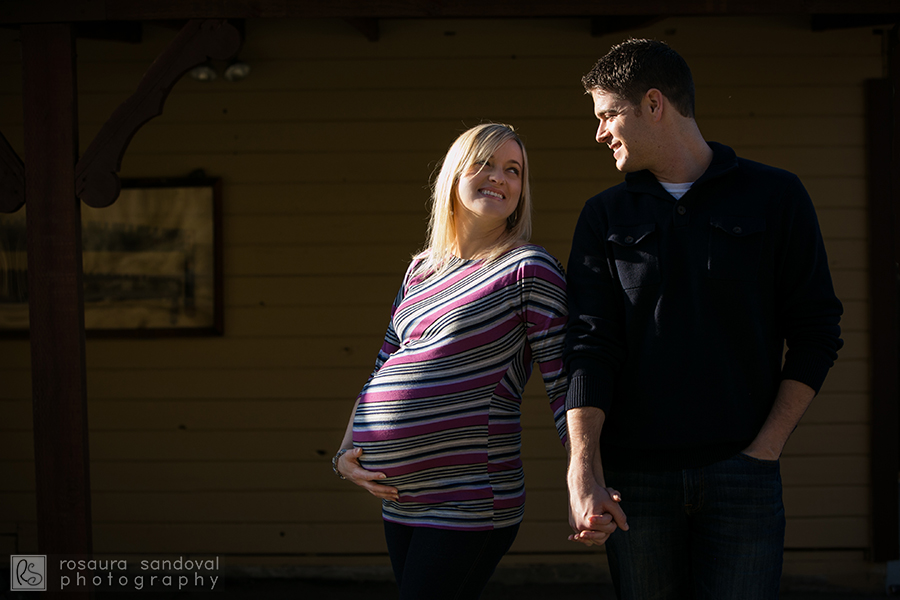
{"x":152,"y":262}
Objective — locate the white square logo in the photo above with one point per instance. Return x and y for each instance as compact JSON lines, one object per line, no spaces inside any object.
{"x":28,"y":572}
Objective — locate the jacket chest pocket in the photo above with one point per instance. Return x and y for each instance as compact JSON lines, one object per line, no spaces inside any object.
{"x":735,"y":246}
{"x":636,"y":252}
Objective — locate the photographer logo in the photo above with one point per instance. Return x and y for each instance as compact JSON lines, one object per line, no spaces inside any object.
{"x":28,"y":572}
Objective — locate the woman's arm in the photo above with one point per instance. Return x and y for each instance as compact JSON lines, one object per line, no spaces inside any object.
{"x":545,"y":311}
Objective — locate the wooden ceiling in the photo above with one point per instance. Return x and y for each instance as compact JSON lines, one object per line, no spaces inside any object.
{"x":46,"y":11}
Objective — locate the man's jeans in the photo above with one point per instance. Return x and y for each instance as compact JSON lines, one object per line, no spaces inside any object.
{"x":714,"y":533}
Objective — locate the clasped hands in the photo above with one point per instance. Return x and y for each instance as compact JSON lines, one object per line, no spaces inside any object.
{"x":594,"y":513}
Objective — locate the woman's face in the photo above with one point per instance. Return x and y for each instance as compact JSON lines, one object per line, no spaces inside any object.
{"x":489,"y":191}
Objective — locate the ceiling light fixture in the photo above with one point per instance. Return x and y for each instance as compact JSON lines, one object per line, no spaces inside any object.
{"x":204,"y":72}
{"x":236,"y":70}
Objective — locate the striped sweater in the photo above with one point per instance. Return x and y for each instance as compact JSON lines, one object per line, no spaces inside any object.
{"x":439,"y":415}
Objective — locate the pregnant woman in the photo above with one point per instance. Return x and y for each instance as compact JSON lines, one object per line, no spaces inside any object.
{"x":435,"y":432}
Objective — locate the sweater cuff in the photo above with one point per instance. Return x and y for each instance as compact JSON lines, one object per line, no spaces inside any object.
{"x":593,"y":388}
{"x":808,"y":369}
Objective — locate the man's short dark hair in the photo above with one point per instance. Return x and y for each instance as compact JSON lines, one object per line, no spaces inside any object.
{"x":631,"y":68}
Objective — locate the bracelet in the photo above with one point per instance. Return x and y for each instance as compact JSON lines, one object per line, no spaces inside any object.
{"x":334,"y":460}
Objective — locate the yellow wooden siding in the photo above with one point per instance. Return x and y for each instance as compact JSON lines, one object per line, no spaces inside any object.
{"x":223,"y":445}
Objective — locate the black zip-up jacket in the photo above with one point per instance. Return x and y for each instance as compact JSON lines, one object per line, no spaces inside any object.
{"x":680,"y":310}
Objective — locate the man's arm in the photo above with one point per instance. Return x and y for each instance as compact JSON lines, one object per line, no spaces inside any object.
{"x":791,"y":402}
{"x":805,"y":299}
{"x":594,"y":511}
{"x":594,"y":352}
{"x":811,"y":313}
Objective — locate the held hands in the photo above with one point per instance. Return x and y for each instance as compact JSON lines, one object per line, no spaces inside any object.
{"x":594,"y":514}
{"x":348,"y":466}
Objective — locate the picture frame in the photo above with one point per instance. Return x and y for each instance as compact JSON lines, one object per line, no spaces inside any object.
{"x":152,"y":262}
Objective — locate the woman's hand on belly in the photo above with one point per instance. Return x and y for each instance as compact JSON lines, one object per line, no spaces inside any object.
{"x":349,"y":467}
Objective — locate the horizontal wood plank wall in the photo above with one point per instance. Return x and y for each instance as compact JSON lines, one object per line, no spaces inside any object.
{"x":222,"y":445}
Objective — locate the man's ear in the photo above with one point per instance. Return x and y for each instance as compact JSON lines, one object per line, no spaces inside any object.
{"x":654,"y":101}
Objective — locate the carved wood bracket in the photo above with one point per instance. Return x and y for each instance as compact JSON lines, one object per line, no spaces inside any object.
{"x":96,"y":174}
{"x":12,"y":178}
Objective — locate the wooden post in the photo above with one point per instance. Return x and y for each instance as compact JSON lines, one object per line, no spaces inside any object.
{"x":883,"y":141}
{"x":55,"y":292}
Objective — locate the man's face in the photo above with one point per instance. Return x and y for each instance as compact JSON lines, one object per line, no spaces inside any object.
{"x":622,"y":128}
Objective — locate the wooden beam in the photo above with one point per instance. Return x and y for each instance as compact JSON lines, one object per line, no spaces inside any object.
{"x":38,"y":11}
{"x":601,"y":26}
{"x":12,"y":178}
{"x":883,"y":143}
{"x":55,"y":293}
{"x":131,"y":32}
{"x":829,"y":22}
{"x":368,"y":27}
{"x":96,"y":174}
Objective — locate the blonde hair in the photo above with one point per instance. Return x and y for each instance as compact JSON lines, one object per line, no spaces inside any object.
{"x":476,"y":144}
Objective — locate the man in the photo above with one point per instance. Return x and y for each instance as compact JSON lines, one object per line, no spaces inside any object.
{"x":685,"y":282}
